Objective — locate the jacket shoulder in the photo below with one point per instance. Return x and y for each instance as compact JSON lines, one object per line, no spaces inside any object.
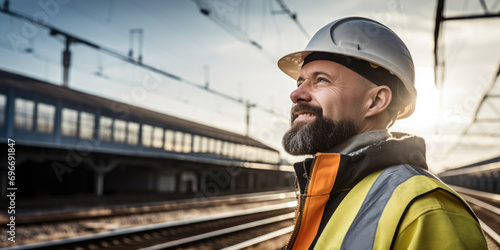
{"x":439,"y":213}
{"x":420,"y":196}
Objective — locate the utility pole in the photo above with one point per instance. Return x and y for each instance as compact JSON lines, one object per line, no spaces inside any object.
{"x":440,"y":18}
{"x":66,"y":61}
{"x":207,"y":76}
{"x":132,"y":34}
{"x":72,"y":40}
{"x":248,"y":107}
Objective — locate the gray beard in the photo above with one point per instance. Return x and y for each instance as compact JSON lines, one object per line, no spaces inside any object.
{"x":317,"y":136}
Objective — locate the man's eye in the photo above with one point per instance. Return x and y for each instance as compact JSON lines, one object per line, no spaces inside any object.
{"x":321,"y":79}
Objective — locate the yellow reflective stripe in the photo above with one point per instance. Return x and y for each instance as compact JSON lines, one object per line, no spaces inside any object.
{"x":412,"y":189}
{"x":334,"y":232}
{"x":396,"y":206}
{"x":365,"y":225}
{"x":350,"y":209}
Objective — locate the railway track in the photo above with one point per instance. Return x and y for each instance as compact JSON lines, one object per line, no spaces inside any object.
{"x":242,"y":228}
{"x":204,"y":232}
{"x":65,"y":215}
{"x":487,"y":208}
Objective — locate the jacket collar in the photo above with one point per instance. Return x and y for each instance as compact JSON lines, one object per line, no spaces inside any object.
{"x":360,"y":141}
{"x":366,"y":153}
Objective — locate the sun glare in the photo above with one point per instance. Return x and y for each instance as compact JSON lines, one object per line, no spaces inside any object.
{"x":424,"y":118}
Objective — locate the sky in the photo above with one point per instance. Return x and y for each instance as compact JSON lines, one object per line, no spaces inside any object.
{"x":215,"y":52}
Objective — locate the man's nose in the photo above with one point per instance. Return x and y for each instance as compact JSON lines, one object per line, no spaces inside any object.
{"x":301,"y":94}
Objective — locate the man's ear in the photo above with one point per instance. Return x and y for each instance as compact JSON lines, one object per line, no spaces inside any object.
{"x":378,"y":100}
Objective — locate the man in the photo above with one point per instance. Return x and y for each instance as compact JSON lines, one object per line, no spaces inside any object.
{"x":365,"y":188}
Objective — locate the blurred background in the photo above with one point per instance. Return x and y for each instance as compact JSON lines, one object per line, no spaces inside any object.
{"x":209,"y":69}
{"x":231,"y":47}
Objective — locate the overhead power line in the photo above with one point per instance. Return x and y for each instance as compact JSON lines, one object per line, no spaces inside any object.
{"x":475,"y":120}
{"x":293,"y":16}
{"x":217,"y":12}
{"x":72,"y":39}
{"x":439,"y":80}
{"x":440,"y":18}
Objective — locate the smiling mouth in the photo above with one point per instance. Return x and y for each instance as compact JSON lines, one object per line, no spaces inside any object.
{"x":305,"y":113}
{"x":304,"y":117}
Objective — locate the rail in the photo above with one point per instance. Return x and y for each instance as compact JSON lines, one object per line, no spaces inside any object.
{"x":65,"y":214}
{"x":235,"y":221}
{"x":260,"y":239}
{"x":485,"y":201}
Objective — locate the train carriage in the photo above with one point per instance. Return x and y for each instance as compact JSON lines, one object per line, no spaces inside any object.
{"x":124,"y":147}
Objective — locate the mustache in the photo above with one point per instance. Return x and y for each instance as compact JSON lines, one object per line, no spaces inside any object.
{"x":301,"y":107}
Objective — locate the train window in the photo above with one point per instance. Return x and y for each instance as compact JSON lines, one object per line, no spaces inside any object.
{"x":211,"y":145}
{"x":86,"y":125}
{"x":234,"y":153}
{"x":119,"y":133}
{"x":147,"y":132}
{"x":196,"y":143}
{"x":3,"y":104}
{"x":251,"y":153}
{"x":204,"y":144}
{"x":45,"y":118}
{"x":267,"y":156}
{"x":231,"y":150}
{"x":260,"y":154}
{"x":187,"y":143}
{"x":270,"y":156}
{"x":248,"y":153}
{"x":276,"y":157}
{"x":263,"y":155}
{"x":105,"y":128}
{"x":157,"y":137}
{"x":169,"y":140}
{"x":178,"y":141}
{"x":23,"y":114}
{"x":256,"y":154}
{"x":225,"y":148}
{"x":243,"y":152}
{"x":218,"y":147}
{"x":237,"y":151}
{"x":69,"y":122}
{"x":133,"y":133}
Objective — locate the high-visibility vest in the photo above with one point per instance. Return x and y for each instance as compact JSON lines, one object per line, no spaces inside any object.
{"x":370,"y":215}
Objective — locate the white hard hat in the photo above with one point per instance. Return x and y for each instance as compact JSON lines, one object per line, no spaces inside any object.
{"x":364,"y":39}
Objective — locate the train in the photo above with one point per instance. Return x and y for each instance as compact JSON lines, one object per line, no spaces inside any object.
{"x":123,"y":147}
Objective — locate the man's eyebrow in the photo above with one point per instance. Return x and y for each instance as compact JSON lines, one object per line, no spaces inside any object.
{"x":315,"y":74}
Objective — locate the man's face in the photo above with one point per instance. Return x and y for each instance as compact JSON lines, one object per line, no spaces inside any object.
{"x":328,"y":107}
